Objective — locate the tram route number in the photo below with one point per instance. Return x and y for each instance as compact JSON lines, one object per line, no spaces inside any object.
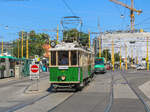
{"x":34,"y":71}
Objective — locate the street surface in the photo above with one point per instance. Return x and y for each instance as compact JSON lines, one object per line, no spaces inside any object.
{"x":125,"y":99}
{"x":12,"y":92}
{"x":16,"y":95}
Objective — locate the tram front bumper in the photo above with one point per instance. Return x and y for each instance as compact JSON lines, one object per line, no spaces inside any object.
{"x":100,"y":70}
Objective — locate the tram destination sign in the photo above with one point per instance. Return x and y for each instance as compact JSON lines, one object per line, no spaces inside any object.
{"x":34,"y":71}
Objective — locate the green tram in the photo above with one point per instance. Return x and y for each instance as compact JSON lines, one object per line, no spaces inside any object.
{"x":71,"y":66}
{"x":100,"y":65}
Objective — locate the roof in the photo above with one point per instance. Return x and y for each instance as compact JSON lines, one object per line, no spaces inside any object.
{"x":9,"y":57}
{"x":70,"y":47}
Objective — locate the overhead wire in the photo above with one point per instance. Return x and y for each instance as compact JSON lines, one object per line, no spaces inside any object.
{"x":143,"y":21}
{"x":69,"y":8}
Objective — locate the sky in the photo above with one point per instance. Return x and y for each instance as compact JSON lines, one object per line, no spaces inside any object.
{"x":45,"y":15}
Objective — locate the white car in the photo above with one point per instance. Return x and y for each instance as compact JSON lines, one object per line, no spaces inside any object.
{"x":140,"y":67}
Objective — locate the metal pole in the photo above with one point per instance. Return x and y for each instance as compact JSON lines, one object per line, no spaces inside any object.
{"x":89,"y":39}
{"x":57,"y":34}
{"x":136,"y":57}
{"x":27,"y":50}
{"x":120,"y":58}
{"x":18,"y":48}
{"x":147,"y":56}
{"x":106,"y":55}
{"x":99,"y":47}
{"x":2,"y":48}
{"x":113,"y":54}
{"x":49,"y":54}
{"x":132,"y":16}
{"x":22,"y":46}
{"x":132,"y":55}
{"x":126,"y":58}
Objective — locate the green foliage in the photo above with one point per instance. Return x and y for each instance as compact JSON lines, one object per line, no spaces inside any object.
{"x":36,"y":41}
{"x":106,"y":54}
{"x":75,"y":35}
{"x":117,"y":56}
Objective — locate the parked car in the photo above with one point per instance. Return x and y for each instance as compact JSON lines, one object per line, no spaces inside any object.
{"x":141,"y":67}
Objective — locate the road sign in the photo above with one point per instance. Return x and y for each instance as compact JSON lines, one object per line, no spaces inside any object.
{"x":34,"y":68}
{"x":34,"y":71}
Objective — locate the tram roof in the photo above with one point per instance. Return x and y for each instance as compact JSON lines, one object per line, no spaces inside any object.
{"x":9,"y":57}
{"x":70,"y":47}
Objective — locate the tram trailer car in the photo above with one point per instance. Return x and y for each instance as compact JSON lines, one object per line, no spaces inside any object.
{"x":71,"y":66}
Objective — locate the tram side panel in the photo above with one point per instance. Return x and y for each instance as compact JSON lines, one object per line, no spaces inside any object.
{"x":58,"y":75}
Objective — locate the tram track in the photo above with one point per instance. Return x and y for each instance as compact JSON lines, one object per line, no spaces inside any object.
{"x":109,"y":105}
{"x":29,"y":101}
{"x":20,"y":106}
{"x":111,"y":96}
{"x":71,"y":96}
{"x":33,"y":101}
{"x":146,"y":107}
{"x":61,"y":103}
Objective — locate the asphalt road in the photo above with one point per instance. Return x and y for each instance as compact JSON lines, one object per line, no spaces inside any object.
{"x":125,"y":100}
{"x":12,"y":93}
{"x":137,"y":79}
{"x":94,"y":98}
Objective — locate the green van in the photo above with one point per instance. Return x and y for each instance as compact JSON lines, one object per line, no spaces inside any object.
{"x":99,"y":65}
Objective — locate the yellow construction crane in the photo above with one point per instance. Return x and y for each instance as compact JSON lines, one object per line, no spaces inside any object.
{"x":132,"y":10}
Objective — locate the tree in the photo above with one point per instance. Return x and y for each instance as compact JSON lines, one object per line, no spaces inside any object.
{"x":36,"y":42}
{"x":75,"y":35}
{"x":106,"y":54}
{"x":117,"y":56}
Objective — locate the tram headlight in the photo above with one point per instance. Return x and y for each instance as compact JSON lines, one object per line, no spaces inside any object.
{"x":63,"y":78}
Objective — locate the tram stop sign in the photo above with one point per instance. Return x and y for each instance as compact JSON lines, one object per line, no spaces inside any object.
{"x":34,"y":71}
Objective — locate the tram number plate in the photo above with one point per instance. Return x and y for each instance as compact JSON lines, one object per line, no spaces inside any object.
{"x":63,"y":67}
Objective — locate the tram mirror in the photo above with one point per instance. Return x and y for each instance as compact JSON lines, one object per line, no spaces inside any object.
{"x":73,"y":58}
{"x":63,"y":58}
{"x":53,"y":57}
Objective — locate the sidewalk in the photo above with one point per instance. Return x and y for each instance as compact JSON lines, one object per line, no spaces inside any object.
{"x":38,"y":86}
{"x":10,"y":79}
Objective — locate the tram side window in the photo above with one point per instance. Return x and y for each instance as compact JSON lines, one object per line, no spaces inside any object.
{"x":63,"y":58}
{"x":73,"y":58}
{"x":53,"y":58}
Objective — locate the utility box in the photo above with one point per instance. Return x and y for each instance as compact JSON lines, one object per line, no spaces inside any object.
{"x":17,"y":71}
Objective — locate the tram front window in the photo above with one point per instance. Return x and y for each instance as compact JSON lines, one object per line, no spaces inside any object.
{"x":63,"y":58}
